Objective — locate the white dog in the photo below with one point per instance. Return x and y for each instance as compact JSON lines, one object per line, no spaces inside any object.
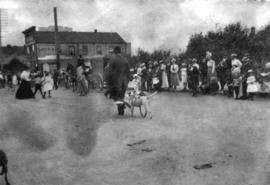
{"x":141,"y":101}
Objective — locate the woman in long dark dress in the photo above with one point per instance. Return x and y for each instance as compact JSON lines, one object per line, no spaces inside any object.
{"x":24,"y":91}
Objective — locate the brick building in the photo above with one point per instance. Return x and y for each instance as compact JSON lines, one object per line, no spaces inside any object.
{"x":40,"y":45}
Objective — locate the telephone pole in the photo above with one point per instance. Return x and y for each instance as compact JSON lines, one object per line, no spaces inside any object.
{"x":3,"y":29}
{"x":56,"y":38}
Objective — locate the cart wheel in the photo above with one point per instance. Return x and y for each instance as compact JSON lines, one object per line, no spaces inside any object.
{"x":143,"y":111}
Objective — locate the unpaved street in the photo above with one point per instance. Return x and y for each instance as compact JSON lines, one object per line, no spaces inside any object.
{"x":70,"y":140}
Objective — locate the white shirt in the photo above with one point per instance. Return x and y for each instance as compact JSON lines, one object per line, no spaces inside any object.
{"x":196,"y":65}
{"x":174,"y":68}
{"x":14,"y":80}
{"x":25,"y":75}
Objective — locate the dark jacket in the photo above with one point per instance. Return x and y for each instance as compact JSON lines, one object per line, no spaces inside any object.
{"x":118,"y":77}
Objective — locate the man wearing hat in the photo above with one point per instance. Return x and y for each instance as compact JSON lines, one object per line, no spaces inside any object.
{"x":118,"y":78}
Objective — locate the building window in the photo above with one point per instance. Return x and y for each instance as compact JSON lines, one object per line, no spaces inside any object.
{"x":33,"y":50}
{"x":111,"y":49}
{"x":84,"y":49}
{"x":98,"y":50}
{"x":72,"y":50}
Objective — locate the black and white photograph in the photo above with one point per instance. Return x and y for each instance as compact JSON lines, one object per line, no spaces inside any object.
{"x":135,"y":92}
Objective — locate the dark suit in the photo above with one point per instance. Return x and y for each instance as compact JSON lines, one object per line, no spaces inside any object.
{"x":118,"y":77}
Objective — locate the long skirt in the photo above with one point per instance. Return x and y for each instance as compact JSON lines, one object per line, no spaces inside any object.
{"x":210,"y":74}
{"x":253,"y":88}
{"x":165,"y":83}
{"x":184,"y":77}
{"x":174,"y":79}
{"x":24,"y":91}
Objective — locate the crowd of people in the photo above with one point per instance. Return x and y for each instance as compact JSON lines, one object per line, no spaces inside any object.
{"x":231,"y":76}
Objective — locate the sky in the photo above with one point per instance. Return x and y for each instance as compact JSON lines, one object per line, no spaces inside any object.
{"x":147,"y":24}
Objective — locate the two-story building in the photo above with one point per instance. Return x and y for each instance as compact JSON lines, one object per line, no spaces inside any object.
{"x":40,"y":45}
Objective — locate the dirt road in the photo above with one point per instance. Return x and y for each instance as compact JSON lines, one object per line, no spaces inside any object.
{"x":71,"y":140}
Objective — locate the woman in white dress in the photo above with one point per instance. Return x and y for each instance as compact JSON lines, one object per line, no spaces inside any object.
{"x":164,"y":77}
{"x":47,"y":84}
{"x":183,"y":72}
{"x":211,"y":66}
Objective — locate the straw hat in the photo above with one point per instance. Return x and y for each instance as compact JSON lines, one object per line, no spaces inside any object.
{"x":208,"y":54}
{"x":142,"y":64}
{"x":233,"y":55}
{"x":245,"y":58}
{"x":173,"y":60}
{"x":194,"y":60}
{"x":267,"y":65}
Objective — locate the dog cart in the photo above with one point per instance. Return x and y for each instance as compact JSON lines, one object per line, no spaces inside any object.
{"x":134,"y":98}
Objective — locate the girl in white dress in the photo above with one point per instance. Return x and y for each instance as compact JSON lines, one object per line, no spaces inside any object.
{"x":47,"y":84}
{"x":253,"y":86}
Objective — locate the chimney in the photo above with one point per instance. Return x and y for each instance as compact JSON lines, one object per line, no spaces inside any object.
{"x":95,"y":30}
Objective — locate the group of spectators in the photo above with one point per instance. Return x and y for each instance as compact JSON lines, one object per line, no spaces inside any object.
{"x":9,"y":80}
{"x":231,"y":76}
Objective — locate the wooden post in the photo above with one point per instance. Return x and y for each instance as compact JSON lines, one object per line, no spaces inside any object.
{"x":56,"y":38}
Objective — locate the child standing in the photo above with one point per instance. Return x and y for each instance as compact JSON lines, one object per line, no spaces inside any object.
{"x":9,"y":81}
{"x":14,"y":82}
{"x":252,"y":87}
{"x":38,"y":84}
{"x":236,"y":76}
{"x":47,"y":85}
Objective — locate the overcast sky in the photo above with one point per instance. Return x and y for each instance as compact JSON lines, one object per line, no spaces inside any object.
{"x":148,"y":24}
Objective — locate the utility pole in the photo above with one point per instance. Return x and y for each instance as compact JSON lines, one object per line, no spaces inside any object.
{"x":56,"y":38}
{"x":3,"y":27}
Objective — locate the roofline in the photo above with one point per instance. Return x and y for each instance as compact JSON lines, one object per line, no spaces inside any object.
{"x":29,"y":29}
{"x":75,"y":32}
{"x":82,"y":42}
